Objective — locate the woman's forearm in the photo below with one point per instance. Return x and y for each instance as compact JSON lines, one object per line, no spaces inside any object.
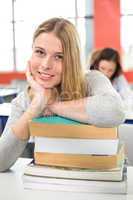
{"x":100,"y":110}
{"x":75,"y":109}
{"x":21,"y":127}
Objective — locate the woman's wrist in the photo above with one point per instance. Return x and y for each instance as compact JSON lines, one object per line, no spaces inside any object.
{"x":29,"y":114}
{"x":21,"y":127}
{"x":54,"y":107}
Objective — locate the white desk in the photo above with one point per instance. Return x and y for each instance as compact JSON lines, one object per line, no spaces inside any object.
{"x":5,"y":109}
{"x":129,"y":115}
{"x":8,"y":91}
{"x":11,"y":187}
{"x":7,"y":94}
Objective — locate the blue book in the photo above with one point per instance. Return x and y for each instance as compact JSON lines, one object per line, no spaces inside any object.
{"x":55,"y":120}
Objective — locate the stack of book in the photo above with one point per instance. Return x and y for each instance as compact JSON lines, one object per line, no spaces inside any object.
{"x":72,"y":156}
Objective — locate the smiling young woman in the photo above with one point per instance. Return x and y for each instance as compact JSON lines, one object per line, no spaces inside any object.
{"x":47,"y":60}
{"x":57,"y":85}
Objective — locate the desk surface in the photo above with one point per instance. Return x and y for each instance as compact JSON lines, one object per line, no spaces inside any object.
{"x":5,"y":109}
{"x":129,"y":117}
{"x":8,"y":91}
{"x":11,"y":187}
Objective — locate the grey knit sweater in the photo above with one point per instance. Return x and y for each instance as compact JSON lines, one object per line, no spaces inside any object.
{"x":104,"y":108}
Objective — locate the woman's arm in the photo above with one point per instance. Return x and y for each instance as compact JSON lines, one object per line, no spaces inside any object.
{"x":37,"y":105}
{"x":103,"y":107}
{"x":21,"y":126}
{"x":11,"y":146}
{"x":75,"y":109}
{"x":121,"y":85}
{"x":16,"y":133}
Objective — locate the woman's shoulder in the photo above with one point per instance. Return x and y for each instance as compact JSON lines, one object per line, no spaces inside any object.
{"x":98,"y":83}
{"x":95,"y":75}
{"x":93,"y":71}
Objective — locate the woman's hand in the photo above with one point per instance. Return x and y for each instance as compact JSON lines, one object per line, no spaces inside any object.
{"x":37,"y":88}
{"x":38,"y":93}
{"x":47,"y":112}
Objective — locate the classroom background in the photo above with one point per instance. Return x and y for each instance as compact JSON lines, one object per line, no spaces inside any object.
{"x":106,"y":23}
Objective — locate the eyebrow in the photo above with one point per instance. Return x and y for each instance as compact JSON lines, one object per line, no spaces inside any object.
{"x":37,"y":47}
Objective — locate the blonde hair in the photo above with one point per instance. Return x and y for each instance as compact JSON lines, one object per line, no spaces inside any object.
{"x":73,"y":84}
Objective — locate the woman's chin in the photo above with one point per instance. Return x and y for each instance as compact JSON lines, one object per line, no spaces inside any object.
{"x":47,"y":86}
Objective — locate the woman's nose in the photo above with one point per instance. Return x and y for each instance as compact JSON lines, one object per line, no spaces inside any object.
{"x":46,"y":63}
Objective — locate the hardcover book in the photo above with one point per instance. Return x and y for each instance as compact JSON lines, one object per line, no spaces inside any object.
{"x":55,"y":126}
{"x":81,"y":161}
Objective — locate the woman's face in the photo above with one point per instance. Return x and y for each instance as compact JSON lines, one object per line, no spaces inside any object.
{"x":47,"y":60}
{"x":108,"y":68}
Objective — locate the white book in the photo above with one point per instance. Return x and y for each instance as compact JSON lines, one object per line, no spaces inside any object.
{"x":76,"y":146}
{"x":45,"y":183}
{"x":114,"y":174}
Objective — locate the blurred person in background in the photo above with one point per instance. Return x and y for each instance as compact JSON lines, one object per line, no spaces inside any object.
{"x":107,"y":60}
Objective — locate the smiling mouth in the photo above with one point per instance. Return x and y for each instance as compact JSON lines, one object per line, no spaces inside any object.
{"x":45,"y":76}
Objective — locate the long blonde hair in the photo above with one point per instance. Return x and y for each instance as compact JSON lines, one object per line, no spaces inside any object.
{"x":73,"y":84}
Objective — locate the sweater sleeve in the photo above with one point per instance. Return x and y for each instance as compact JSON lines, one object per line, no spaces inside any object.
{"x":12,"y":147}
{"x":104,"y":105}
{"x":123,"y":88}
